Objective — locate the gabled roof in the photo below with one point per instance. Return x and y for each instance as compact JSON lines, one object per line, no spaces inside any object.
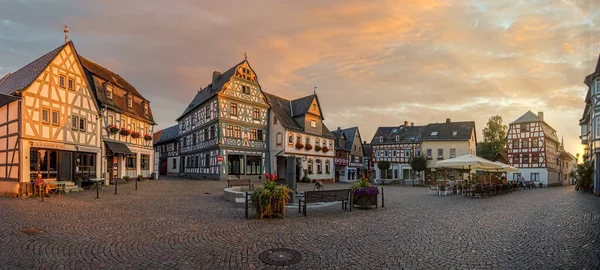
{"x":368,"y":150}
{"x":407,"y":134}
{"x":156,"y":135}
{"x":117,"y":103}
{"x":528,"y":117}
{"x":211,"y":90}
{"x":23,"y":77}
{"x":300,"y":106}
{"x":282,"y":108}
{"x":501,"y":157}
{"x":448,"y":131}
{"x":339,"y":133}
{"x":168,"y":134}
{"x":588,"y":78}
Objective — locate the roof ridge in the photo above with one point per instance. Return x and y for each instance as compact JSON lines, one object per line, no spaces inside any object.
{"x":5,"y":77}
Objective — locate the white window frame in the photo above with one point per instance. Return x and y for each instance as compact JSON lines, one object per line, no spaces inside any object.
{"x":597,"y":86}
{"x":597,"y":135}
{"x":109,"y":91}
{"x":313,"y":124}
{"x":57,"y":122}
{"x":75,"y":122}
{"x":406,"y":152}
{"x":83,"y":121}
{"x":129,"y":101}
{"x":452,"y":152}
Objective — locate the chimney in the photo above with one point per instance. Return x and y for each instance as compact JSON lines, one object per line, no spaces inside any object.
{"x":215,"y":78}
{"x":406,"y":123}
{"x":412,"y":124}
{"x":66,"y":30}
{"x":447,"y":120}
{"x":364,"y":142}
{"x":541,"y":115}
{"x":339,"y":129}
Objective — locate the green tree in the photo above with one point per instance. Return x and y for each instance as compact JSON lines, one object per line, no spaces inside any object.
{"x":494,"y":138}
{"x":419,"y":164}
{"x":383,"y":167}
{"x":585,"y":174}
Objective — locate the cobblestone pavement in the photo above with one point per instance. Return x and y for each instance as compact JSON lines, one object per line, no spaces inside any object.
{"x":188,"y":225}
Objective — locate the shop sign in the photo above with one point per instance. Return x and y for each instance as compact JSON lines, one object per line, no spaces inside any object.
{"x":340,"y":161}
{"x":51,"y":145}
{"x":88,"y":149}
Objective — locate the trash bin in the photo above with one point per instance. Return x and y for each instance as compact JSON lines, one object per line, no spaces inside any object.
{"x":153,"y":176}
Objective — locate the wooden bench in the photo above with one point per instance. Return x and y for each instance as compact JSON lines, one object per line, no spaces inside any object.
{"x":240,"y":183}
{"x":342,"y":195}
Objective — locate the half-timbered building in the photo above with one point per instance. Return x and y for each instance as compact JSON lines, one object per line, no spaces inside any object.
{"x":127,"y":123}
{"x":166,"y":146}
{"x":300,"y":145}
{"x":397,"y":146}
{"x":533,"y":147}
{"x":49,"y":122}
{"x":349,"y":154}
{"x":223,"y":131}
{"x":590,"y":124}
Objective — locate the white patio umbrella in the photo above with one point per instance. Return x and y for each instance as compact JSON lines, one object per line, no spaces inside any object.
{"x":506,"y":167}
{"x":470,"y":162}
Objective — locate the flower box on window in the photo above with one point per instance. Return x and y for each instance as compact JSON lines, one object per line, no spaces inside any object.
{"x":325,"y":149}
{"x":112,"y":129}
{"x":299,"y":145}
{"x":124,"y":132}
{"x":317,"y":148}
{"x":148,"y":137}
{"x":135,"y":135}
{"x":308,"y":146}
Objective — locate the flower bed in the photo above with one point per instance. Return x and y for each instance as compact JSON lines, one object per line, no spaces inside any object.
{"x":364,"y":194}
{"x":270,"y":199}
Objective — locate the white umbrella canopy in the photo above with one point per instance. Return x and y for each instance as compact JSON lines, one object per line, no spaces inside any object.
{"x":469,"y":161}
{"x":506,"y":167}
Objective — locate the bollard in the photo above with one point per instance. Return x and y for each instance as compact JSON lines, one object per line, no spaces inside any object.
{"x":116,"y":186}
{"x":246,"y":199}
{"x":382,"y":199}
{"x":42,"y":191}
{"x":136,"y":180}
{"x":97,"y":190}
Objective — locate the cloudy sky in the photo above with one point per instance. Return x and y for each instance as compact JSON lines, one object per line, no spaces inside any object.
{"x":375,"y":63}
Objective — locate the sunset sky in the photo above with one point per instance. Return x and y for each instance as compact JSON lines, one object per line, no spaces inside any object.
{"x":375,"y":63}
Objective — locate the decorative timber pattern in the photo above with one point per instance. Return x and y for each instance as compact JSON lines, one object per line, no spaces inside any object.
{"x":532,"y":145}
{"x":9,"y":141}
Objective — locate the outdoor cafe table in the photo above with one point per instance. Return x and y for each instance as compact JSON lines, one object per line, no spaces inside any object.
{"x":63,"y":186}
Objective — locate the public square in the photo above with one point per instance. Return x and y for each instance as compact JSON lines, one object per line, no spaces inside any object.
{"x":182,"y":224}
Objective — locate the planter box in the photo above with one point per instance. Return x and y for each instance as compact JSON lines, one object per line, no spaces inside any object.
{"x":365,"y":200}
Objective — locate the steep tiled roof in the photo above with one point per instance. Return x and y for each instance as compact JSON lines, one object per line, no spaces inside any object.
{"x":339,"y":133}
{"x":168,"y":134}
{"x":156,"y":135}
{"x":117,"y":102}
{"x":282,"y":108}
{"x":528,"y":117}
{"x":211,"y":90}
{"x":300,"y":106}
{"x":408,"y":134}
{"x":448,"y":131}
{"x":368,"y":150}
{"x":23,"y":77}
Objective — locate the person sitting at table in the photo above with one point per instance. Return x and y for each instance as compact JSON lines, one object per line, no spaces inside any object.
{"x":39,"y":185}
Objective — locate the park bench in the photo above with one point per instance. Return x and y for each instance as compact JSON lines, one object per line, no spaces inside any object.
{"x":342,"y":195}
{"x":240,"y":183}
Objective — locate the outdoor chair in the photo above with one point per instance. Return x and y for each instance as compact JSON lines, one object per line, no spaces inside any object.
{"x":433,"y":189}
{"x":444,"y":190}
{"x":478,"y":189}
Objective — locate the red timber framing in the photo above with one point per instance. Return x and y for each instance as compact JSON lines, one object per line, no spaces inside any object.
{"x":528,"y":146}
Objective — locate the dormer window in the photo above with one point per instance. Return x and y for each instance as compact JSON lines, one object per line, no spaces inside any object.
{"x":146,"y":108}
{"x":380,"y":139}
{"x":129,"y":100}
{"x":109,"y":91}
{"x":397,"y":138}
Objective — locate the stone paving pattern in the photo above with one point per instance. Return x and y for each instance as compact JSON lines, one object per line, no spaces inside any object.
{"x":179,"y":224}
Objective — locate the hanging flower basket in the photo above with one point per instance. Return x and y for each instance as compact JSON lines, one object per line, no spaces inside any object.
{"x":135,"y":135}
{"x":112,"y":129}
{"x":317,"y":148}
{"x":148,"y":137}
{"x":299,"y":145}
{"x":308,"y":146}
{"x":325,"y":149}
{"x":124,"y":132}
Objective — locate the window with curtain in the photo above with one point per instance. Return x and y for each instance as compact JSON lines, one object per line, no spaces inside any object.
{"x":253,"y":165}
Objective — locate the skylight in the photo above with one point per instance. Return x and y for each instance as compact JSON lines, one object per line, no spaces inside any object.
{"x":394,"y":131}
{"x":454,"y":133}
{"x":434,"y":133}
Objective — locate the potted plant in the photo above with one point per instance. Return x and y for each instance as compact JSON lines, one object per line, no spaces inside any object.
{"x":112,"y":129}
{"x":364,"y":194}
{"x":305,"y":178}
{"x":270,"y":199}
{"x":126,"y":178}
{"x":325,"y":149}
{"x":140,"y":178}
{"x":124,"y":132}
{"x":318,"y":148}
{"x":135,"y":134}
{"x":308,"y":146}
{"x":148,"y":137}
{"x":299,"y":146}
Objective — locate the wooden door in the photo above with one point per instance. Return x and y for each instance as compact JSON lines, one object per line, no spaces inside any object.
{"x":109,"y":167}
{"x":163,"y":167}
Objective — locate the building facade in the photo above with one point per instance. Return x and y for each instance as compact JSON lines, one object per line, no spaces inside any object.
{"x":397,"y":146}
{"x":532,"y":147}
{"x":223,"y":132}
{"x":300,"y":142}
{"x":590,"y":124}
{"x":127,"y":124}
{"x":166,"y":146}
{"x":349,"y":155}
{"x":50,"y":124}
